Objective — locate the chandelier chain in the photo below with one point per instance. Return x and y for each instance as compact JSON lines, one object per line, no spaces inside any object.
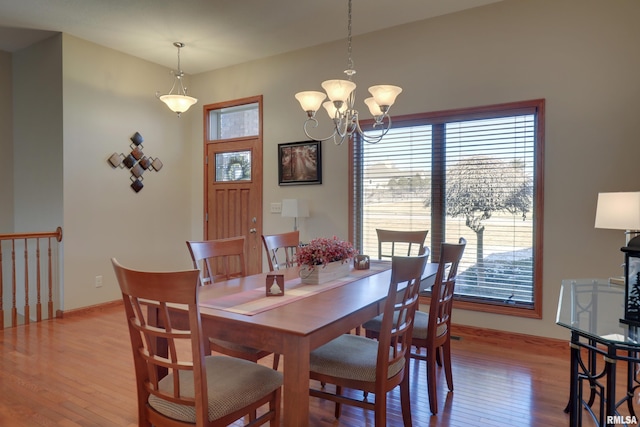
{"x":350,"y":60}
{"x":341,"y":104}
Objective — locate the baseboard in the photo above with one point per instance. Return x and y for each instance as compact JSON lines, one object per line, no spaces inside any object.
{"x":87,"y":310}
{"x":471,"y":333}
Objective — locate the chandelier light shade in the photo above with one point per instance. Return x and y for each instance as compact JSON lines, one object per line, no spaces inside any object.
{"x":180,"y":101}
{"x":341,"y":108}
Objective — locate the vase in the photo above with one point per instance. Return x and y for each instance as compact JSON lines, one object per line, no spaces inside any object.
{"x":319,"y":274}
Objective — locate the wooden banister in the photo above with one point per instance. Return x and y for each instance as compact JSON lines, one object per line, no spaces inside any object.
{"x":29,"y":268}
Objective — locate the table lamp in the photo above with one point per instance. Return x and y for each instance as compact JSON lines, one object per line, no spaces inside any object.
{"x":295,"y":208}
{"x":619,"y":211}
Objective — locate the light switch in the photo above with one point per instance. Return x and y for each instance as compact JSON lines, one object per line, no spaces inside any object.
{"x":276,"y":207}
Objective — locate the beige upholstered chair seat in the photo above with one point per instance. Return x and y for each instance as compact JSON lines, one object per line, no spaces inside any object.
{"x":232,"y":384}
{"x":350,"y":356}
{"x":421,"y":320}
{"x":420,"y":323}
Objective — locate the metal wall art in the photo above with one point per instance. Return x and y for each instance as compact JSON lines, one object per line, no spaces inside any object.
{"x":135,"y":161}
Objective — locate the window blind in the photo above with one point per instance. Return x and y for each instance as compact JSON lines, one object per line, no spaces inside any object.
{"x":473,"y":173}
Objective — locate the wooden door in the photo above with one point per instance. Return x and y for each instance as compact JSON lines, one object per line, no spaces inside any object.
{"x":233,"y":192}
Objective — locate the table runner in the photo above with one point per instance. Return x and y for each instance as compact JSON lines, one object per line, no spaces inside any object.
{"x":255,"y":301}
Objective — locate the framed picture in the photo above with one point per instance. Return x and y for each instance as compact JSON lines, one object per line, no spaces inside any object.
{"x":300,"y":163}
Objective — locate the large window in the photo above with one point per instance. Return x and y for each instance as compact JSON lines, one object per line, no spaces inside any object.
{"x":474,"y":173}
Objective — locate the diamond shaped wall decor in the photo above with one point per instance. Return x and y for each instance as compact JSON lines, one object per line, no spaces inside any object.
{"x":135,"y":161}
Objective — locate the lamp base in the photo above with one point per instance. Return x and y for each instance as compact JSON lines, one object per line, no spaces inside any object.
{"x":619,"y":280}
{"x":635,"y":323}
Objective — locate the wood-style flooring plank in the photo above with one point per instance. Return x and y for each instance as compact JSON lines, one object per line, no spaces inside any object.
{"x":78,"y":372}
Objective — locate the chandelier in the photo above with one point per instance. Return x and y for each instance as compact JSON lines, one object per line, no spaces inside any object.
{"x":180,"y":101}
{"x":340,"y":105}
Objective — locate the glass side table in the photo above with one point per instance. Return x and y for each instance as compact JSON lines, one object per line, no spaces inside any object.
{"x":591,"y":309}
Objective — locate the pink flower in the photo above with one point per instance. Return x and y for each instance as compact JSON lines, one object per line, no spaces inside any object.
{"x":322,"y":251}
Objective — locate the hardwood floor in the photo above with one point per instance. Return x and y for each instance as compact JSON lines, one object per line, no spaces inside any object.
{"x":78,"y":371}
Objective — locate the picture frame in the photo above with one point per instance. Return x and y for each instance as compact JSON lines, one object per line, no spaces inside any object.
{"x":300,"y":163}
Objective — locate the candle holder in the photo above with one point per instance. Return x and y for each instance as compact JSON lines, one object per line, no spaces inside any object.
{"x":274,"y":285}
{"x":361,"y":262}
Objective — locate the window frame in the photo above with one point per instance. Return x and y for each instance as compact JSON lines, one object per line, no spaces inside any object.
{"x":437,"y":120}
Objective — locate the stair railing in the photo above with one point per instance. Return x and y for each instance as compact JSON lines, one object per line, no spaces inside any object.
{"x":22,"y":284}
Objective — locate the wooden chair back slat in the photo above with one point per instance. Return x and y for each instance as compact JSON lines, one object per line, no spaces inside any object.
{"x":399,"y":311}
{"x":142,"y":292}
{"x":219,"y":259}
{"x":398,"y":242}
{"x":442,"y":291}
{"x":281,"y":249}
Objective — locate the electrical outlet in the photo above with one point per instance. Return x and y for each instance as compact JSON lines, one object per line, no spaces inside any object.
{"x":276,"y":207}
{"x":98,"y":281}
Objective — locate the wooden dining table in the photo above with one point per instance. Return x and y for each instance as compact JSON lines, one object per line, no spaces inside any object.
{"x":292,"y":325}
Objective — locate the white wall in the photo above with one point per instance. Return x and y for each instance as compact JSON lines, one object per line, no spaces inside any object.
{"x":37,"y":139}
{"x":108,"y":96}
{"x":580,"y":55}
{"x":6,"y":144}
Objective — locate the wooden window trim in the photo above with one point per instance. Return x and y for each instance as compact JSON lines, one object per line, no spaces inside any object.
{"x":536,"y":105}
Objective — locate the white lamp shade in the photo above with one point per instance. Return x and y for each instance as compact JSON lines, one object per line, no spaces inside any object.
{"x":338,"y":90}
{"x":374,"y":108}
{"x":385,"y":95}
{"x":178,"y":103}
{"x":295,"y":208}
{"x":618,"y":211}
{"x":331,"y":108}
{"x":310,"y":100}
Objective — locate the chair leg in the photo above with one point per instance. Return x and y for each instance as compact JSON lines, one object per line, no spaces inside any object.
{"x":405,"y":401}
{"x":338,"y":408}
{"x":439,"y":356}
{"x":276,"y":361}
{"x":380,"y":415}
{"x":431,"y":380}
{"x":446,"y":351}
{"x":274,"y":406}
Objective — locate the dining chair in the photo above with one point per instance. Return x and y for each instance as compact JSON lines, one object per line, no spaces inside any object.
{"x":198,"y":389}
{"x":432,"y":330}
{"x":288,"y":244}
{"x":220,"y":259}
{"x":375,"y":366}
{"x":223,"y":259}
{"x":390,"y":241}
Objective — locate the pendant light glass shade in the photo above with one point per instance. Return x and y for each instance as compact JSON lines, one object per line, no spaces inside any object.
{"x":338,"y":90}
{"x":332,"y":110}
{"x":385,"y":95}
{"x":180,"y":101}
{"x":374,"y":108}
{"x":310,"y":100}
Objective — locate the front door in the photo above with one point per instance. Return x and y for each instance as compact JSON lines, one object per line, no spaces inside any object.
{"x":233,"y":189}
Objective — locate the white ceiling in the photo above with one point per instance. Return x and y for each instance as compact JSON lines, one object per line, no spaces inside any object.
{"x":217,"y":33}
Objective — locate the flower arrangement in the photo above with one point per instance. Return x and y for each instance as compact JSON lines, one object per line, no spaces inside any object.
{"x":322,"y":251}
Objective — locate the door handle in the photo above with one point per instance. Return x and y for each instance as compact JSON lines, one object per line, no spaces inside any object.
{"x":252,"y":230}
